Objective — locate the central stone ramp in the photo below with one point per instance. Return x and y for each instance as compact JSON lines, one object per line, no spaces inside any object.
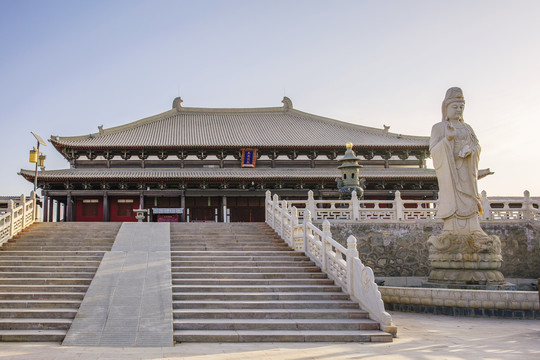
{"x":238,"y":282}
{"x":129,"y":302}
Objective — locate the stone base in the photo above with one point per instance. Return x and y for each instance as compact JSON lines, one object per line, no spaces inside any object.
{"x":466,"y":277}
{"x":506,"y":286}
{"x":465,"y":261}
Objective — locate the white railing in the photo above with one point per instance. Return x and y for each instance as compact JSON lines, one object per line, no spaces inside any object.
{"x":341,"y":264}
{"x":495,"y":208}
{"x":18,"y":216}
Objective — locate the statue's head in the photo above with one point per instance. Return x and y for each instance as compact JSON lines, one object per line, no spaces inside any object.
{"x":453,"y":104}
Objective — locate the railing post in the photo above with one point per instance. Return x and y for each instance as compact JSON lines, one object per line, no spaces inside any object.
{"x":326,"y":234}
{"x":486,"y":215}
{"x":527,"y":206}
{"x":23,"y":203}
{"x":307,"y":220}
{"x":283,"y":210}
{"x":294,"y":216}
{"x":274,"y":209}
{"x":355,"y":206}
{"x":294,"y":223}
{"x":352,"y":253}
{"x":267,"y":200}
{"x":398,"y":203}
{"x":10,"y":210}
{"x":311,"y":204}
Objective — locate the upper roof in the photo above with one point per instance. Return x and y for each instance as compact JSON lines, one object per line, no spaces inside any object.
{"x":284,"y":126}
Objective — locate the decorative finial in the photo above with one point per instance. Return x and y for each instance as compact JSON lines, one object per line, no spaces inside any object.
{"x":349,"y":145}
{"x":386,"y":128}
{"x":100,"y":129}
{"x":177,"y":103}
{"x":287,"y":103}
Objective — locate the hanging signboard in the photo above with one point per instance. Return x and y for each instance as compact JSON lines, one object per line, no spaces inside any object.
{"x":249,"y":156}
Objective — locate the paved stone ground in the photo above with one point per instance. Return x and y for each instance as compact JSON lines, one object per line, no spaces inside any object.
{"x":129,"y":302}
{"x":420,"y":337}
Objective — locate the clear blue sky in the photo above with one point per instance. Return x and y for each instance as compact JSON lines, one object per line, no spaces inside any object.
{"x":68,"y":66}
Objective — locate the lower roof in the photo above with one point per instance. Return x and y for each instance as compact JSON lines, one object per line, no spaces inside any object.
{"x":172,"y":174}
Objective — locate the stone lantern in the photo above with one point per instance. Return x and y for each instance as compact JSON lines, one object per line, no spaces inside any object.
{"x":350,"y":175}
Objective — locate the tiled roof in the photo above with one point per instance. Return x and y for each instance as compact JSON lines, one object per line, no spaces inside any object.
{"x":259,"y":127}
{"x":229,"y":174}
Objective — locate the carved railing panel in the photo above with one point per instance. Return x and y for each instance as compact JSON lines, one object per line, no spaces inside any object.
{"x":19,"y":215}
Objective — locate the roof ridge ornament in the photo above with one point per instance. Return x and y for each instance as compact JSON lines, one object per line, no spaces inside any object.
{"x":100,"y":129}
{"x":177,"y":103}
{"x":287,"y":103}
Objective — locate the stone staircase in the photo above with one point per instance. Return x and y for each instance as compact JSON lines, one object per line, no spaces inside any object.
{"x":239,"y":282}
{"x":44,"y":274}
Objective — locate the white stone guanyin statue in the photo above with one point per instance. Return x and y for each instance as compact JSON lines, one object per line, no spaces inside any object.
{"x":455,"y":151}
{"x":463,"y":254}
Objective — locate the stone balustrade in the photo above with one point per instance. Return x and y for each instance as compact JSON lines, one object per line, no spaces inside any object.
{"x":18,"y":216}
{"x":495,"y":208}
{"x":341,"y":264}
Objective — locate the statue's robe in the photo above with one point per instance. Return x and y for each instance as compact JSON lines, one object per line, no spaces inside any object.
{"x":457,"y":177}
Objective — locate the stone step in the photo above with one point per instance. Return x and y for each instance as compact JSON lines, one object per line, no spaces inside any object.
{"x":42,"y":288}
{"x":227,"y":241}
{"x":270,"y":314}
{"x":5,"y":256}
{"x":276,"y":324}
{"x":33,"y":335}
{"x":44,"y":281}
{"x":51,"y":253}
{"x":280,"y":336}
{"x":232,"y":288}
{"x":266,"y":304}
{"x":48,"y":269}
{"x":254,"y":288}
{"x":240,"y":258}
{"x":46,"y":313}
{"x":13,"y":295}
{"x":34,"y":324}
{"x":176,"y":263}
{"x":39,"y":245}
{"x":4,"y":263}
{"x":46,"y":274}
{"x":39,"y":304}
{"x":226,"y":247}
{"x":287,"y":252}
{"x":251,"y":275}
{"x":250,"y":282}
{"x":274,"y":296}
{"x":58,"y":248}
{"x":243,"y":269}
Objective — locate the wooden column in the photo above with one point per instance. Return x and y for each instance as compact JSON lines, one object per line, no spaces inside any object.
{"x":51,"y":209}
{"x":183,"y":206}
{"x":105,"y":207}
{"x":69,"y":212}
{"x":45,"y":206}
{"x":57,"y":210}
{"x":224,"y":206}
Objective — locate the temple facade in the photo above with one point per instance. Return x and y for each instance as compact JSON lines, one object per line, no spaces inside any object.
{"x":202,"y":164}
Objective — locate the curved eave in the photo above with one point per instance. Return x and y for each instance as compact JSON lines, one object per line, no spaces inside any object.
{"x":326,"y":175}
